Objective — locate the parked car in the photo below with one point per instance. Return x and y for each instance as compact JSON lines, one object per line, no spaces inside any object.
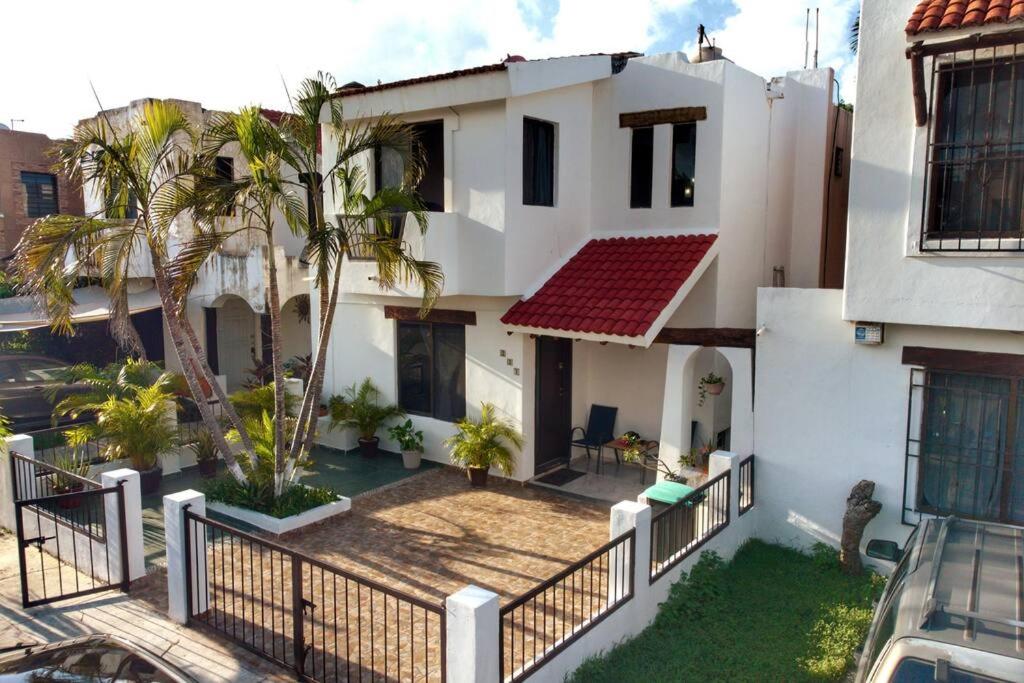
{"x":89,"y":658}
{"x":953,"y":609}
{"x":26,"y":383}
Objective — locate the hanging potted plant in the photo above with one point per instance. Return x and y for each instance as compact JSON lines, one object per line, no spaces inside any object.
{"x":205,"y":449}
{"x":482,"y":444}
{"x":360,"y":409}
{"x":410,"y":440}
{"x":710,"y":384}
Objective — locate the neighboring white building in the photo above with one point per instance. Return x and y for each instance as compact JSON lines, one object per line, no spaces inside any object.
{"x":228,"y":304}
{"x":934,"y":413}
{"x":602,"y":221}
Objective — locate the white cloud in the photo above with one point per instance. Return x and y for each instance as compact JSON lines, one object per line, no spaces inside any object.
{"x":226,"y":54}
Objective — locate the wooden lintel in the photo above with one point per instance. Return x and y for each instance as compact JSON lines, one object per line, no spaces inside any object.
{"x":436,"y":315}
{"x":734,"y":337}
{"x":977,"y":41}
{"x":917,"y":89}
{"x":979,"y":362}
{"x":654,"y":117}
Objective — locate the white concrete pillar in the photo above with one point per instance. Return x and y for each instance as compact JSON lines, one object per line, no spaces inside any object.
{"x":628,"y":515}
{"x":179,"y":557}
{"x":293,"y":387}
{"x":473,"y":634}
{"x":22,"y":444}
{"x":129,"y":481}
{"x":724,"y":461}
{"x":677,"y":405}
{"x":741,"y":429}
{"x":222,"y":382}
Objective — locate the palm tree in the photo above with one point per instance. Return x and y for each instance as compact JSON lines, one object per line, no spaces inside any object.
{"x":149,"y":163}
{"x":485,"y":443}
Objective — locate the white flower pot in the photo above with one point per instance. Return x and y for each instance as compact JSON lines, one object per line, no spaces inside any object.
{"x":411,"y":459}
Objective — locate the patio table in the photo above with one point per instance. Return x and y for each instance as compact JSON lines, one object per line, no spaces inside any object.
{"x":650,"y":450}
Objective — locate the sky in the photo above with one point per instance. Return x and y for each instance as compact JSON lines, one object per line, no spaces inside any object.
{"x":226,"y":54}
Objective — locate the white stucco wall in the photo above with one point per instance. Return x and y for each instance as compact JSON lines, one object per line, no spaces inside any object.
{"x":887,"y":278}
{"x":829,"y":413}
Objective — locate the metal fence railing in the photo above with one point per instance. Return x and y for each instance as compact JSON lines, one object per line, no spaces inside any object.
{"x":323,"y":622}
{"x":50,"y":445}
{"x":680,"y":529}
{"x":746,"y":484}
{"x":542,"y":622}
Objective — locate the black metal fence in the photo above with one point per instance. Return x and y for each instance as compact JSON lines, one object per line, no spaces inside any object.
{"x":51,"y":445}
{"x":542,"y":622}
{"x":321,"y":621}
{"x":64,"y":544}
{"x":680,"y":529}
{"x":746,"y":484}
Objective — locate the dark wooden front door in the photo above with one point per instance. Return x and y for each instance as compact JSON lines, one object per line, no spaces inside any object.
{"x":554,"y":402}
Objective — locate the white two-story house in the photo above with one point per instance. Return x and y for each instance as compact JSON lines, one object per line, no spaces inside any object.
{"x":913,"y":376}
{"x":603,"y":223}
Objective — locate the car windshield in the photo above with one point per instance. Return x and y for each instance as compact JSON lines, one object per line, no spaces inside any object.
{"x":920,"y":671}
{"x":99,"y":662}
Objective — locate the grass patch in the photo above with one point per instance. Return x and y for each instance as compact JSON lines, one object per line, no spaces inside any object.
{"x":295,"y":500}
{"x":771,"y":614}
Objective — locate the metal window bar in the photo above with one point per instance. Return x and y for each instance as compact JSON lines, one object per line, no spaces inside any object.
{"x":977,"y":144}
{"x":325,"y":623}
{"x":545,"y":620}
{"x":682,"y":528}
{"x":746,"y":484}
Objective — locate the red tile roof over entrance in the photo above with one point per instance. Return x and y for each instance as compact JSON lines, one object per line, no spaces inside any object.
{"x":617,"y":286}
{"x":932,"y":15}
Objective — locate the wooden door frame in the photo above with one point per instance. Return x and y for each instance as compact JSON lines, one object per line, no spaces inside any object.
{"x":537,"y":414}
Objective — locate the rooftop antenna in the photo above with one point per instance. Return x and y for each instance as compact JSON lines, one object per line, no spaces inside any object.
{"x":816,"y":18}
{"x":807,"y":33}
{"x":702,"y":36}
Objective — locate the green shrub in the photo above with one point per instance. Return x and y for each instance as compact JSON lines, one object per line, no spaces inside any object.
{"x":259,"y":496}
{"x":824,"y":556}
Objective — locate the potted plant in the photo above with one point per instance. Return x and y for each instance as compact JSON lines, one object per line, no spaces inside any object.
{"x":710,"y":384}
{"x":360,"y":409}
{"x":410,"y":440}
{"x":68,"y":473}
{"x":206,"y":452}
{"x":134,"y":427}
{"x":482,"y":444}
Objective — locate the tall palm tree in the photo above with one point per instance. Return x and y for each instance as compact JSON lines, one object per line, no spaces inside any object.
{"x":149,"y":162}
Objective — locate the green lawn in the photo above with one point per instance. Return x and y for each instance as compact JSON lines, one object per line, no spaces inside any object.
{"x":771,"y":613}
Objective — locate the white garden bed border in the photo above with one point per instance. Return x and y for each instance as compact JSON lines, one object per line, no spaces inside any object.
{"x":282,"y":525}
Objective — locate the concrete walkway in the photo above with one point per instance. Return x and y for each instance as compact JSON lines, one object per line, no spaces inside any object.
{"x":139,"y":616}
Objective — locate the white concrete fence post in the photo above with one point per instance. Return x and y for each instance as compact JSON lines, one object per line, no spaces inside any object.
{"x":724,"y":461}
{"x":24,"y":445}
{"x":628,"y":515}
{"x":179,"y":556}
{"x":473,"y":635}
{"x":129,"y":481}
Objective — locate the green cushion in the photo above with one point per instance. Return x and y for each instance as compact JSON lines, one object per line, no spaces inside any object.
{"x":668,"y":492}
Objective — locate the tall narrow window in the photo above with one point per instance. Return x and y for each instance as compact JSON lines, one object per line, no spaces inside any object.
{"x":538,"y":162}
{"x":432,"y":369}
{"x":314,"y":198}
{"x":430,"y":147}
{"x":225,"y":169}
{"x":684,"y":162}
{"x":40,"y":194}
{"x":641,"y":168}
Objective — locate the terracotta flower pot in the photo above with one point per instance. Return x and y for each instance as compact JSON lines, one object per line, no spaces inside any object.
{"x":71,"y":502}
{"x":205,"y":386}
{"x":368,"y":448}
{"x":149,"y":480}
{"x":477,"y":476}
{"x":715,"y":389}
{"x":208,"y":468}
{"x":323,"y":411}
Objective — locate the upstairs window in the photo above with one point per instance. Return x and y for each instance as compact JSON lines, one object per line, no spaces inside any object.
{"x":641,"y":168}
{"x":430,"y":147}
{"x":538,"y":162}
{"x":975,"y":173}
{"x":684,"y":163}
{"x":40,"y":194}
{"x":225,"y":170}
{"x":432,"y":369}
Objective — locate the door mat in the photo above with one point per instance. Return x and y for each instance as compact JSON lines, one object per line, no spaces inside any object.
{"x":560,"y":477}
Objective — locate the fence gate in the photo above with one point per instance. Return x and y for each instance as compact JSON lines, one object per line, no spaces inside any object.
{"x":69,"y":533}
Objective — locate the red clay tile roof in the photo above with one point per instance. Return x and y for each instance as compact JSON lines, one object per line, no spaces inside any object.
{"x":458,"y":73}
{"x":617,"y":286}
{"x":935,"y":15}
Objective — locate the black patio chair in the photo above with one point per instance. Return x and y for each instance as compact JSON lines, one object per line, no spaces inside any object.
{"x":600,"y":429}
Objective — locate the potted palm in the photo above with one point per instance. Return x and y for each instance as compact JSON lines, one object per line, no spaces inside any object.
{"x":69,"y":471}
{"x":410,"y":440}
{"x":360,"y":409}
{"x":135,"y":427}
{"x":206,"y":451}
{"x":482,"y":444}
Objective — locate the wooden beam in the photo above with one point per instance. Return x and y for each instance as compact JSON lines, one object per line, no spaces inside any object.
{"x":654,"y":117}
{"x":734,"y":337}
{"x":980,"y":362}
{"x":978,"y":41}
{"x":917,"y":89}
{"x":436,"y":315}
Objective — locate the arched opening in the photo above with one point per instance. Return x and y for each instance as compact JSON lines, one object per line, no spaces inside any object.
{"x":237,"y":329}
{"x":711,"y":423}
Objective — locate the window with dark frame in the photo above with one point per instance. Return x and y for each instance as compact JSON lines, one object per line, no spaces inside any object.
{"x":641,"y":168}
{"x":40,"y":194}
{"x":970,"y":448}
{"x":684,"y":163}
{"x":127,"y":210}
{"x":538,"y":162}
{"x":432,"y":369}
{"x":389,"y":165}
{"x":225,"y":169}
{"x":975,"y":174}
